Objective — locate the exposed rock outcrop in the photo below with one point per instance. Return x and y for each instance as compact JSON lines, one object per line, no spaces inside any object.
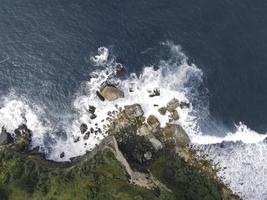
{"x":111,"y":93}
{"x":135,"y":161}
{"x":5,"y":137}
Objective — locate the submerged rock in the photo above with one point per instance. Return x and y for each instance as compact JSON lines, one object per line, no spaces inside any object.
{"x":111,"y":93}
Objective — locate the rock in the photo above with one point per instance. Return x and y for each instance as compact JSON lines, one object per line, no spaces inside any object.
{"x":83,"y":128}
{"x":162,"y":110}
{"x":144,"y":130}
{"x":148,"y":155}
{"x":156,"y":143}
{"x":172,"y":105}
{"x":153,"y":122}
{"x":156,"y":92}
{"x":175,"y":115}
{"x":177,"y":132}
{"x":184,"y":105}
{"x":93,"y":116}
{"x":100,"y":96}
{"x":265,"y":140}
{"x":5,"y":137}
{"x":77,"y":139}
{"x":62,"y":155}
{"x":87,"y":135}
{"x":111,"y":93}
{"x":133,"y":111}
{"x":92,"y":109}
{"x":23,"y":138}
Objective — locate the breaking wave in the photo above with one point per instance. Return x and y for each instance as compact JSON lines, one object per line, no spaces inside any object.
{"x":239,"y":154}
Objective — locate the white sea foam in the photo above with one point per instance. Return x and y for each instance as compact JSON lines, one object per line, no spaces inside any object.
{"x":15,"y":112}
{"x":174,"y":77}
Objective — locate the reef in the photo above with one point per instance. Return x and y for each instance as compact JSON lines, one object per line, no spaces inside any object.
{"x":139,"y":159}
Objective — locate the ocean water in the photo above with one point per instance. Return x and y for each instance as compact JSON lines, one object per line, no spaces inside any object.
{"x":55,"y":54}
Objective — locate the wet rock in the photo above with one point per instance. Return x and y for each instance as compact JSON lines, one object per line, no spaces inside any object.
{"x":177,"y":132}
{"x":92,"y":109}
{"x":77,"y":139}
{"x":156,"y":92}
{"x":153,"y":122}
{"x":162,"y":110}
{"x":111,"y":93}
{"x":62,"y":155}
{"x":100,"y":96}
{"x":5,"y":137}
{"x":87,"y":135}
{"x":184,"y":105}
{"x":93,"y":116}
{"x":172,"y":105}
{"x":175,"y":115}
{"x":83,"y":128}
{"x":144,"y":130}
{"x":133,"y":111}
{"x":23,"y":138}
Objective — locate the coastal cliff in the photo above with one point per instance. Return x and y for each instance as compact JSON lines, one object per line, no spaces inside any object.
{"x":138,"y":159}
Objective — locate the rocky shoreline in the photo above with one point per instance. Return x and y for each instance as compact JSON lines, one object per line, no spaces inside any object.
{"x":139,"y":159}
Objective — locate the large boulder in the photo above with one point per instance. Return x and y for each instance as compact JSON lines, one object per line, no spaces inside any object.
{"x":177,"y":132}
{"x":5,"y":137}
{"x":133,"y":111}
{"x":172,"y":105}
{"x":111,"y":93}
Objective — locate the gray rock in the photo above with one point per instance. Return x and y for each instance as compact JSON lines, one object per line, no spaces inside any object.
{"x":172,"y":105}
{"x":92,"y":109}
{"x":176,"y":131}
{"x":5,"y":137}
{"x":83,"y":128}
{"x":62,"y":155}
{"x":184,"y":105}
{"x":162,"y":110}
{"x":153,"y":122}
{"x":156,"y":92}
{"x":175,"y":115}
{"x":93,"y":116}
{"x":87,"y":135}
{"x":111,"y":93}
{"x":133,"y":111}
{"x":144,"y":130}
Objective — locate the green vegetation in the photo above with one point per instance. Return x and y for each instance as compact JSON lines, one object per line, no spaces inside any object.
{"x":29,"y":176}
